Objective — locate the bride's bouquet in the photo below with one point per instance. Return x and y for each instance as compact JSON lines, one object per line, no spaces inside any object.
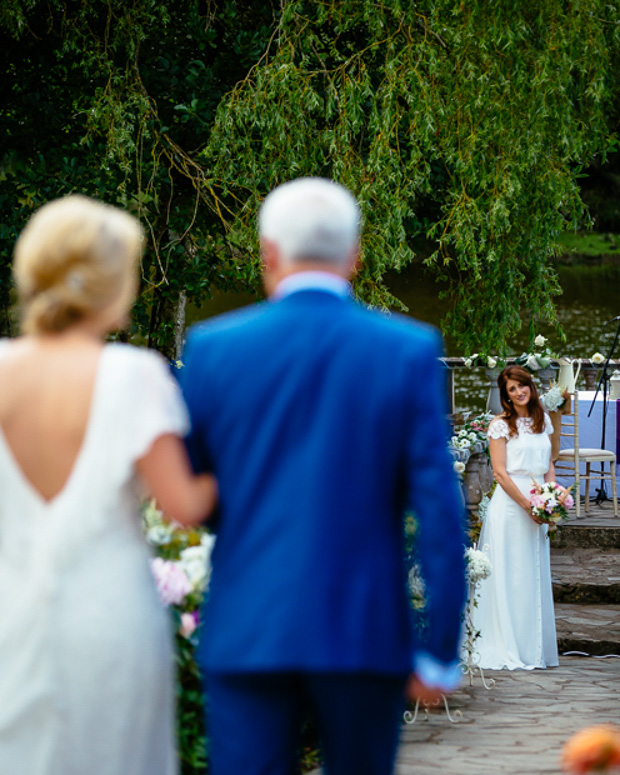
{"x":550,"y":502}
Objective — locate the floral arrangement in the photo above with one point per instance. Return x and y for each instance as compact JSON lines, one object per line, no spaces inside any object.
{"x":554,"y":399}
{"x":549,"y":502}
{"x":487,"y":361}
{"x":537,"y":359}
{"x":181,"y":568}
{"x":597,"y":359}
{"x":470,"y":439}
{"x":595,"y":749}
{"x":478,"y":566}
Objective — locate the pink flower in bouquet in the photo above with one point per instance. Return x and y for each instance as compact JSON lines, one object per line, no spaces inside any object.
{"x":569,"y":501}
{"x":171,"y":580}
{"x":189,"y":622}
{"x":537,"y":501}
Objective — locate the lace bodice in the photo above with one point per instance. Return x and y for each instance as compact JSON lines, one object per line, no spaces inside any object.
{"x":527,"y":453}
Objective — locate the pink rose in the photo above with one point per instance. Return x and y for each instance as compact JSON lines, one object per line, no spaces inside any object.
{"x":171,"y":581}
{"x":569,"y":501}
{"x":537,"y":501}
{"x":189,"y":622}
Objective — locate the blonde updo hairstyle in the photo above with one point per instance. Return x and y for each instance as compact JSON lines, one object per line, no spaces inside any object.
{"x":75,"y":258}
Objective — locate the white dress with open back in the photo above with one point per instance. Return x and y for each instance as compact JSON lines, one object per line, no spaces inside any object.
{"x":515,"y":613}
{"x":86,"y":654}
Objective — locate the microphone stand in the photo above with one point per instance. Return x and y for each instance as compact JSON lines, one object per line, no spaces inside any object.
{"x":604,"y":379}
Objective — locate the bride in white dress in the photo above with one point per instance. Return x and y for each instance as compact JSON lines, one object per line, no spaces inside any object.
{"x":86,"y":658}
{"x":515,"y":614}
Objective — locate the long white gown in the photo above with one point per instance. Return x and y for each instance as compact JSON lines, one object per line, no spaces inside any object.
{"x":86,"y":653}
{"x":515,"y":613}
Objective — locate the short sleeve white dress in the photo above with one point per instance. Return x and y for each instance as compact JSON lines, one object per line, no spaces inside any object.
{"x":86,"y":656}
{"x":515,"y":613}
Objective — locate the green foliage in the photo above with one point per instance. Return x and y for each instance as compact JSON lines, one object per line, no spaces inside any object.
{"x":464,"y":122}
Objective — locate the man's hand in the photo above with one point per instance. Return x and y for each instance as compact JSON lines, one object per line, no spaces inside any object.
{"x":416,"y":690}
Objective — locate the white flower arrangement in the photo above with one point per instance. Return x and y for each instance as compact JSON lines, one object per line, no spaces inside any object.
{"x":553,"y":399}
{"x":478,"y":565}
{"x":459,"y":467}
{"x":539,"y":359}
{"x":598,"y":359}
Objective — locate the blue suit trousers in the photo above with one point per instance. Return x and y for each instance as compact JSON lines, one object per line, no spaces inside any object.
{"x":254,"y":721}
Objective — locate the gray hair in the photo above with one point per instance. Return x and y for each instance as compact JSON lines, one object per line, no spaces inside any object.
{"x":311,"y":219}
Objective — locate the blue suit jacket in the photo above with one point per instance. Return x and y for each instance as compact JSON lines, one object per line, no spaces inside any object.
{"x":323,"y":422}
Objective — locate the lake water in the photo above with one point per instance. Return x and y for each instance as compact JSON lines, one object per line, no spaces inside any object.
{"x":590,"y":298}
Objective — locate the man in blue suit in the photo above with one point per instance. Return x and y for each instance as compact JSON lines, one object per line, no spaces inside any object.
{"x":324,"y":422}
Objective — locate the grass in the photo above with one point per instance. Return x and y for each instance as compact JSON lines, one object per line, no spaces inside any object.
{"x":590,"y":243}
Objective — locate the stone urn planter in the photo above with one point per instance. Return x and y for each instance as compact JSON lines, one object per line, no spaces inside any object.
{"x":477,"y":479}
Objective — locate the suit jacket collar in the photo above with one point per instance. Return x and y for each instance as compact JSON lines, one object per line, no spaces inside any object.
{"x":312,"y":281}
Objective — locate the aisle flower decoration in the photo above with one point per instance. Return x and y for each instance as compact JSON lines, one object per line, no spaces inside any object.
{"x":477,"y":568}
{"x":550,"y":502}
{"x":181,"y":568}
{"x":594,"y":749}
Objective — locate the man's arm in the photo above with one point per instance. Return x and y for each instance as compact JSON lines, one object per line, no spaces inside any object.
{"x":434,"y":497}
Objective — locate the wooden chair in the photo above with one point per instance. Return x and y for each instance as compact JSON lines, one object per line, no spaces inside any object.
{"x":569,"y":460}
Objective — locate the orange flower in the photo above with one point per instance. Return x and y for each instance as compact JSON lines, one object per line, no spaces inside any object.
{"x":595,"y":749}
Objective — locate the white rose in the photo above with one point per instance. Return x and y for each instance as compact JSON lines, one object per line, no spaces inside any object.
{"x":491,"y":362}
{"x":195,"y":562}
{"x":159,"y":535}
{"x":598,"y":358}
{"x":459,"y":467}
{"x":468,"y":362}
{"x":540,"y":341}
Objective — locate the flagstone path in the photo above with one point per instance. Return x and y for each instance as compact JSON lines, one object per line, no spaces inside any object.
{"x":520,"y":725}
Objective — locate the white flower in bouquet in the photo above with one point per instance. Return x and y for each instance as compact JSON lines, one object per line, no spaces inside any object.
{"x":194,"y":561}
{"x":491,"y":362}
{"x":598,"y":358}
{"x":462,"y":443}
{"x":540,"y":341}
{"x":459,"y":467}
{"x":472,"y":436}
{"x":172,"y":582}
{"x":159,"y":535}
{"x":478,"y":565}
{"x":463,"y":434}
{"x":454,"y":441}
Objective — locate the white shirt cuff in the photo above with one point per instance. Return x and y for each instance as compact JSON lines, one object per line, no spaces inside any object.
{"x":435,"y":674}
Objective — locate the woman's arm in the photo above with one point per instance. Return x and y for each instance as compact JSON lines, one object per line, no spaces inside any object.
{"x":497,"y":448}
{"x":182,"y":495}
{"x":550,"y":475}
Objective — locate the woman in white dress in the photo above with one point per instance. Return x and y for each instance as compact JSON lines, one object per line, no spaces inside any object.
{"x":86,"y":657}
{"x":515,"y":614}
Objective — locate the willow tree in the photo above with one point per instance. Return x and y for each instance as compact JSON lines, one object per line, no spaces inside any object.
{"x":464,"y":123}
{"x":467,"y":122}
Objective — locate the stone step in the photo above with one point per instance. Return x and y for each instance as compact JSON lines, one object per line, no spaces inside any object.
{"x":583,"y":535}
{"x":586,"y":575}
{"x":591,"y":629}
